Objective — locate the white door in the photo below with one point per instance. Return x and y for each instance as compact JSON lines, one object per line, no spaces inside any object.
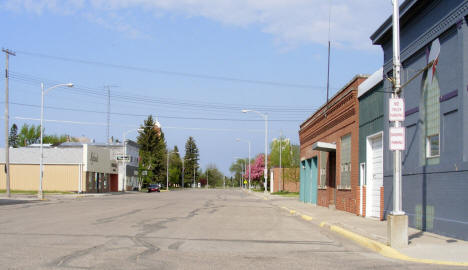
{"x":374,"y":175}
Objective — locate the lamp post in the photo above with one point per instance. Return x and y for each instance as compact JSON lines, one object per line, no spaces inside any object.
{"x":249,"y":158}
{"x":43,"y":92}
{"x":124,"y":158}
{"x":243,"y":170}
{"x":167,"y":168}
{"x":265,"y":117}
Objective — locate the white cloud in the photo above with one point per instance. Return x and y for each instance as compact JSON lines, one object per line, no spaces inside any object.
{"x":291,"y":22}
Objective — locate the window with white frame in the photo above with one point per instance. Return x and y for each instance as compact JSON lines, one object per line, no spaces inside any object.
{"x":345,"y":162}
{"x":432,"y":146}
{"x":430,"y":119}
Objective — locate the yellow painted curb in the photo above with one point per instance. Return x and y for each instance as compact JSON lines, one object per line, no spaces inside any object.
{"x":292,"y":212}
{"x":306,"y":217}
{"x":386,"y":250}
{"x":285,"y":208}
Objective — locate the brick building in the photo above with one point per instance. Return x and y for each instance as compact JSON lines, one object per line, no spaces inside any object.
{"x":329,"y":152}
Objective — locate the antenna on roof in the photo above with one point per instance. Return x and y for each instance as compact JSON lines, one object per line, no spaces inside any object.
{"x":328,"y":71}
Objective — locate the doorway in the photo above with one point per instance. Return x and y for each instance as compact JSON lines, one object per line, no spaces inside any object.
{"x":331,"y":185}
{"x":374,"y":156}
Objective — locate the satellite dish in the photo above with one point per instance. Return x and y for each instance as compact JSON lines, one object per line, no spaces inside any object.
{"x":435,"y":50}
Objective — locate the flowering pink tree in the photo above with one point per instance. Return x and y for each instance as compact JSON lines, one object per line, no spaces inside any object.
{"x":256,"y":171}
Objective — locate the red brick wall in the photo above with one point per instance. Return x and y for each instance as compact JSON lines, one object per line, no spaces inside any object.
{"x":382,"y":203}
{"x":290,"y":181}
{"x":358,"y":201}
{"x":329,"y":125}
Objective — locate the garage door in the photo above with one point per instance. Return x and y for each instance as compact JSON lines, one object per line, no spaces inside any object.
{"x":375,"y":176}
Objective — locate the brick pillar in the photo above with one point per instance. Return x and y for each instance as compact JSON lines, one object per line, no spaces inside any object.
{"x":382,"y":200}
{"x":364,"y":201}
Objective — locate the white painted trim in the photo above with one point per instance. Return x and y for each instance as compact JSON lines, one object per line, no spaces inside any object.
{"x":369,"y":169}
{"x":372,"y":81}
{"x":362,"y":173}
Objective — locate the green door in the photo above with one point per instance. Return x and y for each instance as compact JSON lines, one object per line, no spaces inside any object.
{"x":313,"y":181}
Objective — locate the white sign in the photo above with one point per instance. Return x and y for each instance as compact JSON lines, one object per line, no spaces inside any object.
{"x":397,"y":138}
{"x":396,"y":109}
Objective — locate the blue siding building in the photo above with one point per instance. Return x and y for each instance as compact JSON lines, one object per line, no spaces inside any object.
{"x":435,"y":162}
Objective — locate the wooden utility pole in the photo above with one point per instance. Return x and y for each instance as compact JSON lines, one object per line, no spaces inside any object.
{"x":7,"y":124}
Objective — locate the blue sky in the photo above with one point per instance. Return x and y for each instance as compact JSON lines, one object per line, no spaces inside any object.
{"x":153,"y":52}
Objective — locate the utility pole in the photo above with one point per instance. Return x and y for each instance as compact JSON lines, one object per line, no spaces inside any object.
{"x":281,"y":170}
{"x":108,"y":87}
{"x":7,"y":124}
{"x":397,"y":224}
{"x":207,"y":173}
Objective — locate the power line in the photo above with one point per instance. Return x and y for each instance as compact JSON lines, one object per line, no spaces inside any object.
{"x":83,"y":90}
{"x":159,"y":116}
{"x":165,"y":127}
{"x":173,"y":73}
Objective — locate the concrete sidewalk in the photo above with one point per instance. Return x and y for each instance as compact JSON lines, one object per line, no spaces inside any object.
{"x":423,"y":247}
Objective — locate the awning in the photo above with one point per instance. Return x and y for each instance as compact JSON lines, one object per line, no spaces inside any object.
{"x":324,"y":147}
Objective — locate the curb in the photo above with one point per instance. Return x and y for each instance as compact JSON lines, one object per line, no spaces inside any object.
{"x":373,"y":245}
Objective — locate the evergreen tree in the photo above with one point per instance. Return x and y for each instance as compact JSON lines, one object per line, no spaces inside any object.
{"x":175,"y":167}
{"x":13,"y":139}
{"x":152,"y":151}
{"x":191,"y":161}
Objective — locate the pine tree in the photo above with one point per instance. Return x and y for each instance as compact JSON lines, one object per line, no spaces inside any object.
{"x":191,"y":160}
{"x":152,"y":151}
{"x":13,"y":139}
{"x":175,"y":166}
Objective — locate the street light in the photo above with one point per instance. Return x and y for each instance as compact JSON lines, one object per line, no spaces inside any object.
{"x":243,"y":169}
{"x":265,"y":117}
{"x":43,"y":92}
{"x":124,"y":152}
{"x":238,"y":140}
{"x":167,"y":168}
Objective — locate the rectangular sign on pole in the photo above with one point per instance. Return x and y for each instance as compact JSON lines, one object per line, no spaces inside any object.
{"x":397,"y":138}
{"x":396,"y":109}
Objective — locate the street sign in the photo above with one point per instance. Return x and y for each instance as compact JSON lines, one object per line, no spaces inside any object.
{"x":396,"y":109}
{"x":123,"y":158}
{"x":397,"y":138}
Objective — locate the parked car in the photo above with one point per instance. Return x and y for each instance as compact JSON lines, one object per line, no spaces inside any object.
{"x":153,"y":188}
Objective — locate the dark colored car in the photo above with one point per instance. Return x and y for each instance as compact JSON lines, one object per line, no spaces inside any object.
{"x":153,"y":188}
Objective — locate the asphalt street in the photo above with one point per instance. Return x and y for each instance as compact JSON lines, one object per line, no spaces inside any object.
{"x":190,"y":229}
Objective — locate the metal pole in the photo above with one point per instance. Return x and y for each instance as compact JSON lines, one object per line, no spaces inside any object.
{"x":265,"y":176}
{"x":124,"y":161}
{"x":183,"y":172}
{"x":167,"y":172}
{"x":7,"y":124}
{"x":39,"y":194}
{"x":397,"y":204}
{"x":207,"y":174}
{"x":281,"y":171}
{"x":249,"y":167}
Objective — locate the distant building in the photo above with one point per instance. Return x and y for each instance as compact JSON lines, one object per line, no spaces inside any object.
{"x":81,"y":168}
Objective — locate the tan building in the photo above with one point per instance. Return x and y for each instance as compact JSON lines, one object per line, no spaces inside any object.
{"x":84,"y":168}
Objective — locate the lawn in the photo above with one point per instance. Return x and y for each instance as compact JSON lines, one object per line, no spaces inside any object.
{"x":286,"y":193}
